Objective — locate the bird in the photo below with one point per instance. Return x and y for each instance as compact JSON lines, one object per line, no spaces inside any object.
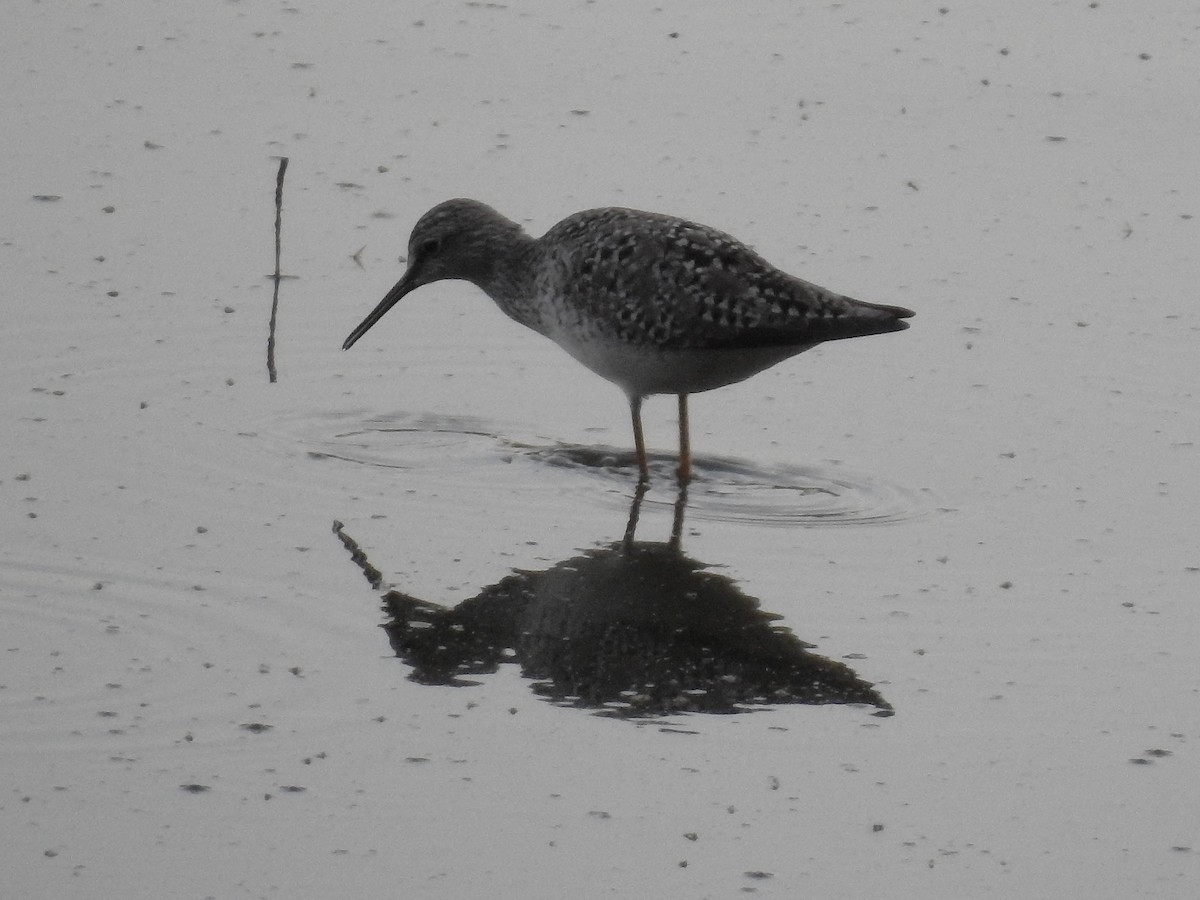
{"x":653,"y":303}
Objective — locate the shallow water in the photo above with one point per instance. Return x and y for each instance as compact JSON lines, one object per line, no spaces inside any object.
{"x":925,"y":626}
{"x":722,"y":488}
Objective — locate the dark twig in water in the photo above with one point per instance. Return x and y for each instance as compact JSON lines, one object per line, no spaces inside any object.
{"x":283,"y":161}
{"x":374,"y":576}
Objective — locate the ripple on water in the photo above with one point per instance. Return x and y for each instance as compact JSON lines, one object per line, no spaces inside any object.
{"x":403,"y":441}
{"x":790,"y":495}
{"x":723,"y":489}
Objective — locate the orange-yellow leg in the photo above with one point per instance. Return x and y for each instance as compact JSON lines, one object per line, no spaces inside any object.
{"x":639,"y":442}
{"x":685,"y":444}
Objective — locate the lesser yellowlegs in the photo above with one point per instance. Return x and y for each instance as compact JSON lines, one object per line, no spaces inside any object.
{"x":653,"y":303}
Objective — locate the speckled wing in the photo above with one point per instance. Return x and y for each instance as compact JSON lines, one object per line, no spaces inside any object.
{"x":671,"y":283}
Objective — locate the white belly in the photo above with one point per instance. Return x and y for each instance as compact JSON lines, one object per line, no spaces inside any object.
{"x":640,"y":370}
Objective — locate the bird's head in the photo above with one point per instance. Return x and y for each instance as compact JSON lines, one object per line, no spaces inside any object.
{"x":457,"y":239}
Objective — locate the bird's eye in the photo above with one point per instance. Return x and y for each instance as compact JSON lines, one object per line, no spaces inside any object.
{"x":429,"y":247}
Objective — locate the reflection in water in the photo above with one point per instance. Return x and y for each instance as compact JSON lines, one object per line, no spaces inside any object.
{"x":634,"y":628}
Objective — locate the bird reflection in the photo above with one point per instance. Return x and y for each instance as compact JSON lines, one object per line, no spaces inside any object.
{"x":631,"y":629}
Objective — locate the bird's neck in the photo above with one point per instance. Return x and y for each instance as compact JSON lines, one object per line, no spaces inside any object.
{"x":509,"y":279}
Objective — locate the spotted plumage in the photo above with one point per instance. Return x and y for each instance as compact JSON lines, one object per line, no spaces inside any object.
{"x":654,"y":303}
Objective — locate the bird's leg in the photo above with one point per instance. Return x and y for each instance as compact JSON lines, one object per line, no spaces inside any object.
{"x":685,"y":446}
{"x":639,"y":442}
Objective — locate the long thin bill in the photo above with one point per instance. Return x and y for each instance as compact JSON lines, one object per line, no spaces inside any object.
{"x":403,"y":286}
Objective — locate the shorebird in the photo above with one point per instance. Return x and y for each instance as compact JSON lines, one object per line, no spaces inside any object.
{"x":653,"y":303}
